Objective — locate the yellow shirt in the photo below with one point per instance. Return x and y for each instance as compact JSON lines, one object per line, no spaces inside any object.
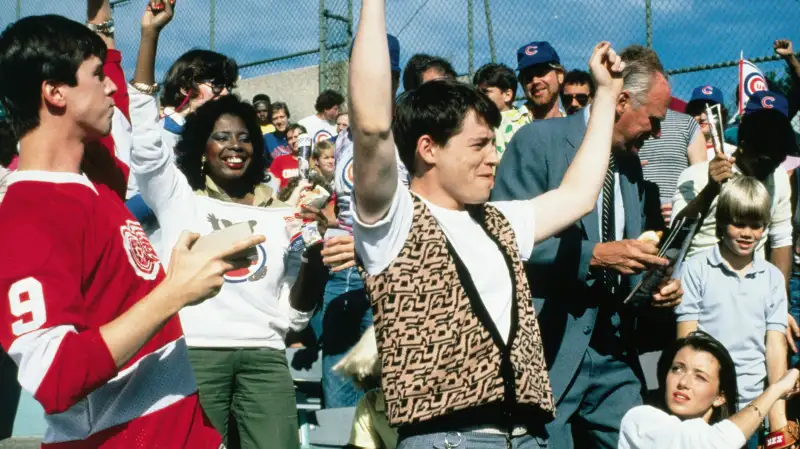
{"x":512,"y":121}
{"x":267,"y":129}
{"x":779,"y":230}
{"x":371,"y":428}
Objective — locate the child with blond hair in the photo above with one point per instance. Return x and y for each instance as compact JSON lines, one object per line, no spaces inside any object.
{"x":738,"y":297}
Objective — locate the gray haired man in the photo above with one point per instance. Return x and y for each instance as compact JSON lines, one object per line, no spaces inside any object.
{"x":586,"y":271}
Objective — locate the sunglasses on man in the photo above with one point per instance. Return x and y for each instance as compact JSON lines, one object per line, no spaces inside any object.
{"x":583,"y":99}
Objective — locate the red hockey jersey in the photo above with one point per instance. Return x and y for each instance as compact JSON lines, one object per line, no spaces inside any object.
{"x":72,"y":259}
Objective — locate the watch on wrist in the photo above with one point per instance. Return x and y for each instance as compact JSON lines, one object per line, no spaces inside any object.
{"x":105,"y":28}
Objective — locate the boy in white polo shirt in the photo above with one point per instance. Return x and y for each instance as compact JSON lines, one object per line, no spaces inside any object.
{"x":738,"y":297}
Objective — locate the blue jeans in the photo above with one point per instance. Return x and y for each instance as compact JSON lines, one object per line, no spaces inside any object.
{"x":794,"y":308}
{"x":470,"y":440}
{"x":345,"y":315}
{"x":792,"y":407}
{"x":752,"y":442}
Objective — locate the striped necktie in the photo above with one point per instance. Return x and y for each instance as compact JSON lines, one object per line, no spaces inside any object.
{"x":609,"y":222}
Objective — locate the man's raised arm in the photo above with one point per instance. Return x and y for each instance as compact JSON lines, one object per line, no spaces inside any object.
{"x":371,"y":104}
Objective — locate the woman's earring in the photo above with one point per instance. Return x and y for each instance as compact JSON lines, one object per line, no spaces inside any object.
{"x":203,"y":161}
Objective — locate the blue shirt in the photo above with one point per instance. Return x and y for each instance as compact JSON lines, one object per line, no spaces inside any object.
{"x":737,"y":311}
{"x":274,"y":146}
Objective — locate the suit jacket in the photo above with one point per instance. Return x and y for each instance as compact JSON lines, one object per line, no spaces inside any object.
{"x":567,"y":294}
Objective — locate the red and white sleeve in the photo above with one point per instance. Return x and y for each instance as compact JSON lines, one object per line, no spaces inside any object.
{"x":42,"y":323}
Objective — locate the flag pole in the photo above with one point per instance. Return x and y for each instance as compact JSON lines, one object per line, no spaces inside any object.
{"x":741,"y":83}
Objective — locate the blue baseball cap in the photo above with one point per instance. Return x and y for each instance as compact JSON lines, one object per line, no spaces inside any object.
{"x":394,"y":52}
{"x":707,"y":93}
{"x":767,"y":100}
{"x":538,"y":52}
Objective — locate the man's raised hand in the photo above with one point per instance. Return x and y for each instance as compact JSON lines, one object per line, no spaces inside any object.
{"x":783,"y":48}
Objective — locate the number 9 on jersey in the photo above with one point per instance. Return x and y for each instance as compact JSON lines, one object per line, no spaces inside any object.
{"x":27,"y":304}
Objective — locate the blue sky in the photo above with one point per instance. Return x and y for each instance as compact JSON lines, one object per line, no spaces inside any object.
{"x":686,"y":32}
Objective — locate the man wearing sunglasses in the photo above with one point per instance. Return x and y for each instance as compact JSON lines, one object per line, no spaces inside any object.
{"x":541,"y":76}
{"x":577,"y":91}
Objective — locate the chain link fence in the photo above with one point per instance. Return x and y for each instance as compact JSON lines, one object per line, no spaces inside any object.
{"x":336,"y":37}
{"x":699,"y":41}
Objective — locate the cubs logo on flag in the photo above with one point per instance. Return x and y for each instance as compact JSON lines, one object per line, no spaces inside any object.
{"x":751,"y":80}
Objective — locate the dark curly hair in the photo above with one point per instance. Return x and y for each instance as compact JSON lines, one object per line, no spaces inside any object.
{"x":200,"y":125}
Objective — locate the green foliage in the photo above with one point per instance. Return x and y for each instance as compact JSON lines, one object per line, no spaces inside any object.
{"x":780,"y":82}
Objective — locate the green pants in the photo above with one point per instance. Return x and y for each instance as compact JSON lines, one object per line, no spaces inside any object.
{"x":254,"y":387}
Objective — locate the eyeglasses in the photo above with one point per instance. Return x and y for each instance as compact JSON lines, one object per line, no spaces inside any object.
{"x":582,"y":99}
{"x":536,"y":71}
{"x":217,"y":88}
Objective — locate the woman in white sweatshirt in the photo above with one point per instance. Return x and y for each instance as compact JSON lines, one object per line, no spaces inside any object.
{"x":236,"y":341}
{"x":697,"y":382}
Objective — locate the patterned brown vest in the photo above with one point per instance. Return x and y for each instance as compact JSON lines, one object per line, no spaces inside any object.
{"x":440,"y":351}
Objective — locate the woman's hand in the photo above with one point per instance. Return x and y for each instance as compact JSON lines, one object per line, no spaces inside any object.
{"x":157,"y":15}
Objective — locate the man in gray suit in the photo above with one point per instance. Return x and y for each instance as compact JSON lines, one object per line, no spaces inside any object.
{"x":580,"y":277}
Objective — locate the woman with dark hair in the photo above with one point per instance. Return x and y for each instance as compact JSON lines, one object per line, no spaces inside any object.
{"x":213,"y":124}
{"x":697,"y":395}
{"x":193,"y":79}
{"x":236,"y":341}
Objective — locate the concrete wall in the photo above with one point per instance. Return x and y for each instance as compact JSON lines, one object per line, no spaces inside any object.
{"x":298,"y":88}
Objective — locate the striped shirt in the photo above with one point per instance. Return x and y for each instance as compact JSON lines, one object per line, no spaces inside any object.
{"x":668,"y":155}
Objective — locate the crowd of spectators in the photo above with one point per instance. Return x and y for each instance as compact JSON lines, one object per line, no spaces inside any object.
{"x":459,"y":258}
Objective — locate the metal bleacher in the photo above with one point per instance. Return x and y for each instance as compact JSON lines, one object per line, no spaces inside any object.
{"x":318,"y":428}
{"x":329,"y":428}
